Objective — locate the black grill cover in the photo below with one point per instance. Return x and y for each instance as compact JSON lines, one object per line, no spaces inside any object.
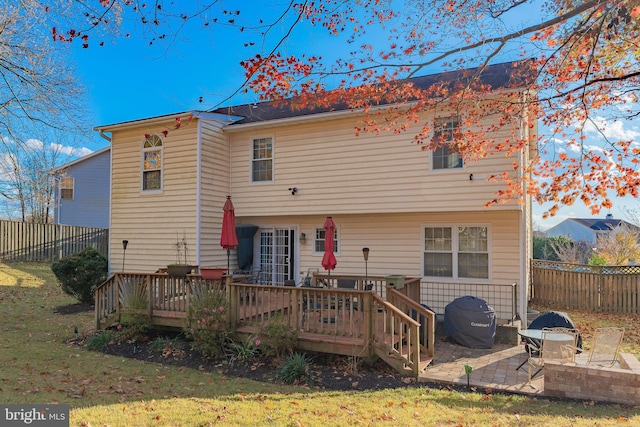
{"x":554,"y":319}
{"x":245,"y":234}
{"x":470,"y":322}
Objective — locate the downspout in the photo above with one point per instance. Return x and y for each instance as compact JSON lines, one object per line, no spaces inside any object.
{"x":108,"y":138}
{"x":526,"y":221}
{"x":198,"y":192}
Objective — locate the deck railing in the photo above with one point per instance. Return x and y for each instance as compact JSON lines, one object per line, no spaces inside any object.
{"x":351,"y":322}
{"x":502,"y":298}
{"x":164,"y":298}
{"x":425,"y":317}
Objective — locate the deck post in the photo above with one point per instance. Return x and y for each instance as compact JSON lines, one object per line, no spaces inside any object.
{"x":232,"y":296}
{"x":295,"y":299}
{"x":118,"y":281}
{"x":368,"y":322}
{"x":149,"y":295}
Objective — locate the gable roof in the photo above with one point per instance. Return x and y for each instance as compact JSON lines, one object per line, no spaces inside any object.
{"x":598,"y":224}
{"x":504,"y":75}
{"x":80,"y":160}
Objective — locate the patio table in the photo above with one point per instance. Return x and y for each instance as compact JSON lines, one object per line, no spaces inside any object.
{"x":535,"y":335}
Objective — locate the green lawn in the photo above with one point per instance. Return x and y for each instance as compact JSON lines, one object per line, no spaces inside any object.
{"x":40,"y":364}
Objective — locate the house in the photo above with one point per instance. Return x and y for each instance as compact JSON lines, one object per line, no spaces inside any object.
{"x":589,"y":229}
{"x":82,"y":190}
{"x":420,"y":214}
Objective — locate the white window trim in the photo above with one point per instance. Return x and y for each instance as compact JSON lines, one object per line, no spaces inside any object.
{"x":455,"y":251}
{"x":463,"y":168}
{"x":273,"y":162}
{"x":162,"y":167}
{"x":337,"y":238}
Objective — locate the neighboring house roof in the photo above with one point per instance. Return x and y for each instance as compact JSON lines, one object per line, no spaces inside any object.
{"x":578,"y":227}
{"x":60,"y":169}
{"x":598,"y":224}
{"x":505,"y":75}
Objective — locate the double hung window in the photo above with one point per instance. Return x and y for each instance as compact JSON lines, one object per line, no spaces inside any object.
{"x":318,"y":241}
{"x":66,"y":188}
{"x":262,"y":160}
{"x":446,"y":156}
{"x":456,"y":252}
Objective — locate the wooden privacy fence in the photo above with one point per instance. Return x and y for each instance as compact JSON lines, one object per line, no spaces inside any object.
{"x":613,"y":289}
{"x":23,"y":241}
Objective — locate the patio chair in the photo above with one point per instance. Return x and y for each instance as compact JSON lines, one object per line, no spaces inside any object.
{"x":346,"y":284}
{"x":557,"y":344}
{"x":606,"y":347}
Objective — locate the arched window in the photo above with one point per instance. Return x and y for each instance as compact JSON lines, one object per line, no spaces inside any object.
{"x":152,"y":163}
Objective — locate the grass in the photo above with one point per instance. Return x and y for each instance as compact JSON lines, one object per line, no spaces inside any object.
{"x":41,"y":364}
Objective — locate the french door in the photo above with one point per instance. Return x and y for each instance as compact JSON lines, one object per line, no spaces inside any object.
{"x":277,"y":255}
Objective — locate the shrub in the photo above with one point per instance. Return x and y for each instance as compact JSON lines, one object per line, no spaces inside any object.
{"x":134,"y":327}
{"x":80,"y":274}
{"x":294,"y":368}
{"x":207,"y":325}
{"x":100,"y":341}
{"x":278,"y":338}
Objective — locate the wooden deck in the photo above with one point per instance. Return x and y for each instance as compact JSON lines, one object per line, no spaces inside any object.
{"x":350,"y":322}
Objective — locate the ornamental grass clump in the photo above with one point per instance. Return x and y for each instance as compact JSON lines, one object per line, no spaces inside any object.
{"x":295,"y":368}
{"x":244,"y":351}
{"x":207,"y":324}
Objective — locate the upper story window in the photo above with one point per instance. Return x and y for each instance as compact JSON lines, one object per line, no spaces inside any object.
{"x":318,"y":241}
{"x":456,"y":252}
{"x":152,"y":163}
{"x":262,"y":160}
{"x":446,"y":156}
{"x":66,"y":188}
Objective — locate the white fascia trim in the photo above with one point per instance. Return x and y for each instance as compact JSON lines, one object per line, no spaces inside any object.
{"x":222,"y":118}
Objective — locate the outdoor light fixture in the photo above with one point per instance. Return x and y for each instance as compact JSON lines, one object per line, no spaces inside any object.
{"x":293,"y":190}
{"x":303,"y":238}
{"x":124,"y":251}
{"x":365,"y":253}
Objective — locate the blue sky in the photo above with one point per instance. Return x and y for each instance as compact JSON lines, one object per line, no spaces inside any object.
{"x":127,"y":79}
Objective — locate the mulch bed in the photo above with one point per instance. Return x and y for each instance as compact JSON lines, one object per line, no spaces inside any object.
{"x":327,"y":372}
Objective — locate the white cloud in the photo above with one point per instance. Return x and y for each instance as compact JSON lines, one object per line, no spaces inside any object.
{"x":34,"y":144}
{"x":71,"y":151}
{"x":616,"y":130}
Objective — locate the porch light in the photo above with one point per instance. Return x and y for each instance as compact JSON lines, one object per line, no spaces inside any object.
{"x":303,"y":238}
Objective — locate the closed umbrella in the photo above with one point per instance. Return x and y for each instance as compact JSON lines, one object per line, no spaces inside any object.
{"x":228,"y":237}
{"x":329,"y":259}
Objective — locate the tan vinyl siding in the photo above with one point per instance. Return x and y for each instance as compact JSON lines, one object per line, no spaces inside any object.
{"x":338,"y":172}
{"x":214,"y":190}
{"x":395,"y":241}
{"x":151,"y":221}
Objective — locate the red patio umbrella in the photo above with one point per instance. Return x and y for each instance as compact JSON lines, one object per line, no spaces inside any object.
{"x":228,"y":237}
{"x":329,"y":259}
